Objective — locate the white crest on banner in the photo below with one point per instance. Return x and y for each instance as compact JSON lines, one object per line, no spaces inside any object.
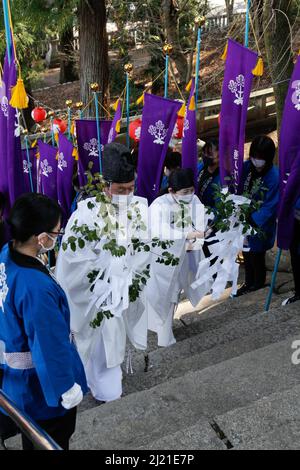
{"x":186,"y":126}
{"x":46,"y":168}
{"x":237,"y":88}
{"x":110,"y":135}
{"x":3,"y":286}
{"x":296,"y":94}
{"x":62,"y":163}
{"x":92,"y":147}
{"x":18,"y":127}
{"x":159,"y":132}
{"x":26,"y":166}
{"x":4,"y":106}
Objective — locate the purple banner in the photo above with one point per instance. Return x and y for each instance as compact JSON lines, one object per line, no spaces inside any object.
{"x":235,"y":99}
{"x":189,"y":138}
{"x":86,"y":131}
{"x":289,"y":197}
{"x":65,"y":166}
{"x":290,"y":128}
{"x":48,"y":170}
{"x":158,"y":122}
{"x":11,"y":166}
{"x":115,"y":124}
{"x":30,"y":167}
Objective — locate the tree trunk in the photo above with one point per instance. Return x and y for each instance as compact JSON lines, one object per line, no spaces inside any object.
{"x":169,"y":21}
{"x":279,"y":51}
{"x":93,"y":50}
{"x":68,"y":72}
{"x":229,"y":9}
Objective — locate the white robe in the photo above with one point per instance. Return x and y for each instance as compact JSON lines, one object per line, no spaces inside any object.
{"x":166,"y":282}
{"x":102,"y":349}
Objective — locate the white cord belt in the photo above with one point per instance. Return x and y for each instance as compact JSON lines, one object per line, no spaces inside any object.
{"x":19,"y":360}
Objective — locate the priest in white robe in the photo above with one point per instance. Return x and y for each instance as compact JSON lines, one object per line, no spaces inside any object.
{"x":178,"y":216}
{"x":95,"y":280}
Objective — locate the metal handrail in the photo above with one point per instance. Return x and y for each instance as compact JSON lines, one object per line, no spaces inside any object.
{"x":40,"y":439}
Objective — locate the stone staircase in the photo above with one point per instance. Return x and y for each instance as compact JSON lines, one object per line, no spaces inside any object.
{"x":228,"y":383}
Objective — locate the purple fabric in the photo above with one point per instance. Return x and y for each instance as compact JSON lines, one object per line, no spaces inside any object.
{"x":65,"y":166}
{"x":86,"y":131}
{"x":48,"y":170}
{"x":113,"y":131}
{"x":33,"y":162}
{"x":11,"y":166}
{"x":289,"y":197}
{"x":189,"y":139}
{"x":235,"y":99}
{"x":3,"y":133}
{"x":290,"y":128}
{"x":158,"y":122}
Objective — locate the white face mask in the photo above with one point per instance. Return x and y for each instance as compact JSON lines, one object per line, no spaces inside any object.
{"x":44,"y":249}
{"x":121,"y":200}
{"x":186,"y":198}
{"x":259,"y":164}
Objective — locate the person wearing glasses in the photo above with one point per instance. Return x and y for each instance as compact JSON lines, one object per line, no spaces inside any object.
{"x":179,"y":217}
{"x":42,"y":371}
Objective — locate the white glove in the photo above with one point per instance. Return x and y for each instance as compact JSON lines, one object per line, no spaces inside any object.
{"x":72,"y":397}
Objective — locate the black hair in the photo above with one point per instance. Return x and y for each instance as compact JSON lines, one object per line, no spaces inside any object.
{"x":117,"y":164}
{"x":173,"y":160}
{"x":33,"y":214}
{"x":209,"y":144}
{"x":263,"y":147}
{"x":181,"y":179}
{"x":2,"y":203}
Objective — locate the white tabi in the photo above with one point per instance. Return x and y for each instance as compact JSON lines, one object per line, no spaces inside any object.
{"x":102,"y":349}
{"x":166,"y":281}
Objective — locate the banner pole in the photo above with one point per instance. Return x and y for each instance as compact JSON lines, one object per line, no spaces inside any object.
{"x":7,"y":28}
{"x":274,"y":276}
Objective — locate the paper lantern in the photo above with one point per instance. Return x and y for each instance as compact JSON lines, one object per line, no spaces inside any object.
{"x":59,"y":126}
{"x":178,"y":129}
{"x":135,"y":130}
{"x":39,"y":114}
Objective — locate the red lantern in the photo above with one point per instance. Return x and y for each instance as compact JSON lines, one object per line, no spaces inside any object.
{"x":39,"y":114}
{"x":59,"y":126}
{"x":178,"y":129}
{"x":135,"y":130}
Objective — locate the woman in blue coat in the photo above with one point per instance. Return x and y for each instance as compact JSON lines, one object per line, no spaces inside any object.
{"x":209,"y":174}
{"x":42,"y":371}
{"x":261,"y":181}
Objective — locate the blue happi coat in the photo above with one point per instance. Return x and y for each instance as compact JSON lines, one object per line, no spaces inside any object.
{"x":265,"y":217}
{"x":206,"y":193}
{"x":35,"y":321}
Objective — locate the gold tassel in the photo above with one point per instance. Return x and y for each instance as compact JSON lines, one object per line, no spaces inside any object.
{"x":34,"y":144}
{"x":75,"y":154}
{"x":38,"y":155}
{"x":224,"y":55}
{"x":19,"y":98}
{"x":192,"y":106}
{"x":115,"y":105}
{"x":72,"y":130}
{"x":140,"y":100}
{"x":56,"y":137}
{"x":258,"y":71}
{"x":181,"y":112}
{"x":118,"y":126}
{"x":189,"y":86}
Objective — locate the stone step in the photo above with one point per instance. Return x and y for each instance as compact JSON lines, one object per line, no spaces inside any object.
{"x":270,"y":423}
{"x":208,"y":349}
{"x":144,"y":417}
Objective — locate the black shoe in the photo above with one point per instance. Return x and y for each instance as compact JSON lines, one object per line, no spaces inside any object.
{"x":291,"y":300}
{"x":244,"y":289}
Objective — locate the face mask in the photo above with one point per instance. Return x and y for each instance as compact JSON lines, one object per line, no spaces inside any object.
{"x":208,"y":161}
{"x":259,"y":164}
{"x":121,"y":200}
{"x":187,"y":198}
{"x":45,"y":250}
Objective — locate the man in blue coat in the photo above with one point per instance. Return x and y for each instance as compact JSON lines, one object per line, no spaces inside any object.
{"x":295,"y":256}
{"x":261,"y":181}
{"x":209,"y":174}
